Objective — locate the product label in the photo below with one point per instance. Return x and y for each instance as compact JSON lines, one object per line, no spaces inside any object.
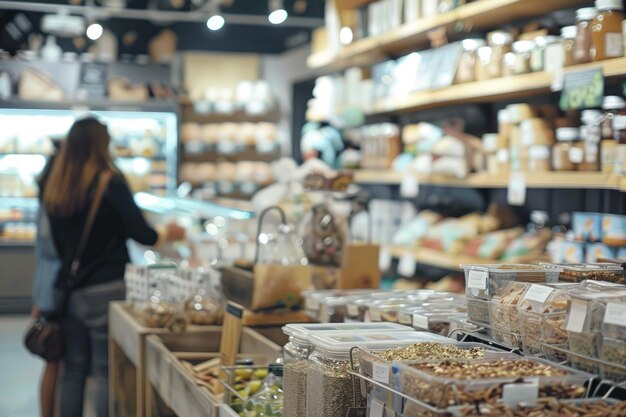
{"x":614,"y":45}
{"x":615,"y":314}
{"x":516,"y":193}
{"x":384,"y":259}
{"x":477,"y":279}
{"x":577,"y":315}
{"x":538,"y":293}
{"x":420,"y":321}
{"x":409,"y":188}
{"x":406,"y":265}
{"x":524,"y":392}
{"x":375,"y":315}
{"x":353,"y":310}
{"x":576,"y":155}
{"x":381,"y":373}
{"x":582,"y":90}
{"x":377,"y":408}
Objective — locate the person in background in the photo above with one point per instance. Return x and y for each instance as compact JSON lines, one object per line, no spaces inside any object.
{"x":67,"y":194}
{"x":47,"y":265}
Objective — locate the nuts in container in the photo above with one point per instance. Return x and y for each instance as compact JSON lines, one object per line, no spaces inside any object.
{"x":477,"y":381}
{"x":503,"y":312}
{"x":545,"y":407}
{"x":608,"y":272}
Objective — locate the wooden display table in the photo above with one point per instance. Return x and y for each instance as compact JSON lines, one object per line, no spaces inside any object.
{"x":175,"y":384}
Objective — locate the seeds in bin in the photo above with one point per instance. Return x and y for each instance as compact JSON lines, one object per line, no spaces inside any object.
{"x":548,"y":407}
{"x":494,"y":369}
{"x":431,"y":350}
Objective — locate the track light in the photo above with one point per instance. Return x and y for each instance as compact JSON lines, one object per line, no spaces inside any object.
{"x":94,"y":31}
{"x":278,"y":14}
{"x":215,"y":22}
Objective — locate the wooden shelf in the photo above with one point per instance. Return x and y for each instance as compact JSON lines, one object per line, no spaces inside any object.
{"x":578,"y":180}
{"x":517,"y":86}
{"x":438,"y":258}
{"x":476,"y":16}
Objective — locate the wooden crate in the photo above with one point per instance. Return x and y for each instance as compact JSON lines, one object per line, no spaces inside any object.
{"x":173,"y":382}
{"x":128,"y":387}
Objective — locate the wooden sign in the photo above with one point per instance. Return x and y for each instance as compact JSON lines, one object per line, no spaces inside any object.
{"x":231,"y":334}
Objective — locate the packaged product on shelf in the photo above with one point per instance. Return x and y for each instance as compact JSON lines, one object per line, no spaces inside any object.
{"x":539,"y":158}
{"x":329,"y":384}
{"x":522,"y":53}
{"x":466,"y":71}
{"x":482,"y":380}
{"x":607,"y":272}
{"x":547,"y":54}
{"x":587,"y":226}
{"x":500,"y":43}
{"x":612,"y":106}
{"x":606,"y":33}
{"x":614,"y":230}
{"x":584,"y":38}
{"x":598,"y":252}
{"x":565,"y":136}
{"x":569,"y":33}
{"x":492,"y":245}
{"x":584,"y":324}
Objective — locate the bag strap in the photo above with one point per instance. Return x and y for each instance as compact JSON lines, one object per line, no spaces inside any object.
{"x":103,"y":183}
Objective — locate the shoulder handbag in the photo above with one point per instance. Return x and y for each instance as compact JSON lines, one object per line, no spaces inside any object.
{"x":43,"y":337}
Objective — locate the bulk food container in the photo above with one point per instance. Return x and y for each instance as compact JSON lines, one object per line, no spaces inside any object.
{"x":613,"y":346}
{"x":441,"y":383}
{"x":296,"y":354}
{"x":329,"y":384}
{"x":503,"y":312}
{"x":598,"y":272}
{"x":481,"y":281}
{"x":335,"y":300}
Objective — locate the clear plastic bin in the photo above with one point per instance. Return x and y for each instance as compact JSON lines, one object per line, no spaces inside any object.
{"x":614,"y":320}
{"x":614,"y":351}
{"x":478,"y":311}
{"x":554,"y":333}
{"x":443,"y":391}
{"x":437,"y":322}
{"x":313,"y":300}
{"x":597,"y":272}
{"x":581,"y":407}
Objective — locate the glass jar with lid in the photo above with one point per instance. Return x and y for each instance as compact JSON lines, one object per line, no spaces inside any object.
{"x":554,"y":54}
{"x":466,"y":71}
{"x":584,"y":39}
{"x":568,"y":33}
{"x":592,"y":122}
{"x":538,"y":55}
{"x":539,"y":158}
{"x":606,"y":30}
{"x":566,"y":137}
{"x":295,"y":362}
{"x":500,"y":43}
{"x":619,"y":129}
{"x":483,"y":63}
{"x":611,"y":106}
{"x":522,"y":51}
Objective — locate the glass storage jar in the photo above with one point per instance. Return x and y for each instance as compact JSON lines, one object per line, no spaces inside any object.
{"x":606,"y":30}
{"x":584,"y":39}
{"x":568,"y":33}
{"x":295,"y":360}
{"x":522,"y":51}
{"x":483,"y":62}
{"x":538,"y":55}
{"x":554,"y":54}
{"x":466,"y":71}
{"x":539,"y":158}
{"x":619,"y":129}
{"x":500,"y":43}
{"x":612,"y":106}
{"x":591,"y":128}
{"x":566,"y":137}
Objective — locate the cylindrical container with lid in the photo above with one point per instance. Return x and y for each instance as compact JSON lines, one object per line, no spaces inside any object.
{"x":568,"y":33}
{"x":612,"y":106}
{"x":500,"y":43}
{"x":619,"y":129}
{"x":483,"y":63}
{"x":565,"y":136}
{"x":539,"y":55}
{"x":466,"y":71}
{"x":539,"y":158}
{"x":606,"y":30}
{"x":554,"y":54}
{"x":584,"y":38}
{"x":522,"y":51}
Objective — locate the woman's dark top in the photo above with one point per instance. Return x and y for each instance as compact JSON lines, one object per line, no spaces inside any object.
{"x":105,"y":255}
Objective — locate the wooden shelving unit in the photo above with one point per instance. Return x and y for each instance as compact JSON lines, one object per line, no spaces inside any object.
{"x":477,"y":16}
{"x":517,"y":86}
{"x":578,"y":180}
{"x":437,"y":258}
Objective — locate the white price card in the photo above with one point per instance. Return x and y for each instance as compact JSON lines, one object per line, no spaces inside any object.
{"x":404,"y":319}
{"x":377,"y":408}
{"x":312,"y":304}
{"x":353,"y":310}
{"x":381,"y":373}
{"x":384,"y":259}
{"x":516,"y":195}
{"x":409,"y":187}
{"x":538,"y":293}
{"x":406,"y":265}
{"x":420,"y":321}
{"x":375,"y":315}
{"x":577,"y":315}
{"x":615,"y":314}
{"x":523,"y":392}
{"x":477,"y":279}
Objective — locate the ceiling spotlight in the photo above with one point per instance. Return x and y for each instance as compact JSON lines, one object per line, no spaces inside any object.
{"x":94,"y":31}
{"x":345,"y":35}
{"x":215,"y":22}
{"x":278,"y":14}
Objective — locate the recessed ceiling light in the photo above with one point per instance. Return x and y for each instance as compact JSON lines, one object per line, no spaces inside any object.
{"x":215,"y":22}
{"x":94,"y":31}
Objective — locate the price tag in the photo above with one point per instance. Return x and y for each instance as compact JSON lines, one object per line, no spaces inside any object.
{"x":577,"y":315}
{"x":557,"y":81}
{"x":409,"y":187}
{"x":582,"y":90}
{"x":420,"y":321}
{"x":615,"y":314}
{"x":384,"y":259}
{"x":524,"y":392}
{"x":381,"y":373}
{"x":406,"y":265}
{"x":353,"y":310}
{"x":576,"y":155}
{"x":516,"y":195}
{"x":312,"y":304}
{"x":538,"y":293}
{"x":404,"y":319}
{"x":477,"y":279}
{"x":375,"y":315}
{"x":376,"y":408}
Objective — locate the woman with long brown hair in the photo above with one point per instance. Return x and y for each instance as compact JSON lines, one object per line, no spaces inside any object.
{"x":68,"y":191}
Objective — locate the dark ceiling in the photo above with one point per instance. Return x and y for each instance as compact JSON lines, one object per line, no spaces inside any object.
{"x":261,"y":38}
